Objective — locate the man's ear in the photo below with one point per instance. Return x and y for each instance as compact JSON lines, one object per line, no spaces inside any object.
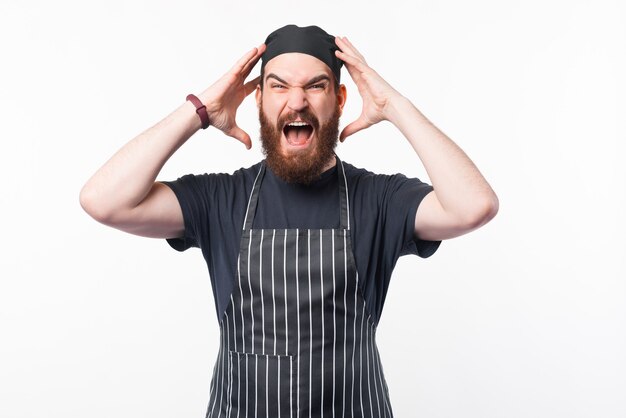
{"x":342,"y":96}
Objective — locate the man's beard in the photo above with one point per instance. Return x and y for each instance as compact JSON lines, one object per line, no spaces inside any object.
{"x":302,"y":166}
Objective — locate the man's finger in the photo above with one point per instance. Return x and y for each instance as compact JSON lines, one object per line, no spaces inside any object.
{"x":247,"y":68}
{"x":351,"y":65}
{"x":240,"y":135}
{"x":244,"y":62}
{"x":352,"y":128}
{"x":353,"y":48}
{"x":240,"y":64}
{"x":348,"y":48}
{"x":352,"y":60}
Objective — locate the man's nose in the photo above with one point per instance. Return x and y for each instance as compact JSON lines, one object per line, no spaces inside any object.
{"x":297,"y":99}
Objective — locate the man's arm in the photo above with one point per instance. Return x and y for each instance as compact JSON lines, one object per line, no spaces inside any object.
{"x":462,"y":200}
{"x":123,"y":192}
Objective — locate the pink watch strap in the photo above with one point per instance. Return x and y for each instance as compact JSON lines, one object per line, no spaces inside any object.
{"x":200,"y":110}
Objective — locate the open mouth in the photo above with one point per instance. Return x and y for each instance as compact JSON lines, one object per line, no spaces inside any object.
{"x":298,"y":133}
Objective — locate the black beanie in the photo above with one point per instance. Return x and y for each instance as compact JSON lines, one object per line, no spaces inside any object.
{"x":311,"y":40}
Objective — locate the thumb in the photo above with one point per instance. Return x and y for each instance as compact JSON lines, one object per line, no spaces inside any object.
{"x":240,"y":135}
{"x":352,"y":128}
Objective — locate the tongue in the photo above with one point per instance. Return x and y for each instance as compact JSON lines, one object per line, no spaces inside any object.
{"x":298,"y":136}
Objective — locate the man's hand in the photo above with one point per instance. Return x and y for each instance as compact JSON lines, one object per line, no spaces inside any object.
{"x":462,"y":200}
{"x":375,"y":92}
{"x":223,"y":98}
{"x":123,"y":193}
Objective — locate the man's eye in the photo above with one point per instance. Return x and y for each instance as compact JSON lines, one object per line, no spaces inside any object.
{"x":318,"y":86}
{"x":277,"y":86}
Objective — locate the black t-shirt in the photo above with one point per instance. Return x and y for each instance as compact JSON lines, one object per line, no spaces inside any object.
{"x":382,"y":220}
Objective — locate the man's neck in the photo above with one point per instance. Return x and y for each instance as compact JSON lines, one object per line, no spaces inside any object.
{"x":331,"y":163}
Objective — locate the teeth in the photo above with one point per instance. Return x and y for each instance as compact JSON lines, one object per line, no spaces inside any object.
{"x":298,"y":124}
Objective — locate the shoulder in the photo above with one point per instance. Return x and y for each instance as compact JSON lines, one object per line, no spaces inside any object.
{"x":242,"y":176}
{"x":360,"y":179}
{"x":376,"y":185}
{"x":208,"y":188}
{"x":246,"y":173}
{"x":358,"y":174}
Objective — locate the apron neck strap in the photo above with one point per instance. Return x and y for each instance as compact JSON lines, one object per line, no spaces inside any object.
{"x":344,"y":201}
{"x":344,"y":204}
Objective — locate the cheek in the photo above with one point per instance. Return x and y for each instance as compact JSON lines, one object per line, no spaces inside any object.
{"x":325,"y":108}
{"x":271,"y":105}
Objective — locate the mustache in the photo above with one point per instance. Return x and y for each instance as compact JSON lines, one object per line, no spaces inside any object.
{"x":305,"y":116}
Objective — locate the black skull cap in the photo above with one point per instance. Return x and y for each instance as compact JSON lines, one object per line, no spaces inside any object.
{"x":311,"y":40}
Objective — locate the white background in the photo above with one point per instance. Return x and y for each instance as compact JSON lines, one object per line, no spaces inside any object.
{"x":525,"y":317}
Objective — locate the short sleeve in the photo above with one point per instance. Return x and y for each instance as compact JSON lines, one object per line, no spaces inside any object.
{"x":403,"y":197}
{"x":191,"y":192}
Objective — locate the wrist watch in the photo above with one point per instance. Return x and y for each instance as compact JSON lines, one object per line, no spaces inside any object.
{"x":200,"y":110}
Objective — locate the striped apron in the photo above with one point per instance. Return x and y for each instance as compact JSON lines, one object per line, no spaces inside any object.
{"x":296,"y":337}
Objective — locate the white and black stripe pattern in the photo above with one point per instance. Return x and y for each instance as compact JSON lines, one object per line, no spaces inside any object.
{"x":297,"y":339}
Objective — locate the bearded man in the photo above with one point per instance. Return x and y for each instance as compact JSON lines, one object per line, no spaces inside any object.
{"x":300,"y":247}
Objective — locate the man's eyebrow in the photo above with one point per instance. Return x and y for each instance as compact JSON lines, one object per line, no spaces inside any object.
{"x":311,"y":81}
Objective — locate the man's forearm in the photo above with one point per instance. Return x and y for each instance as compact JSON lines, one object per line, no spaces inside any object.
{"x":460,"y":187}
{"x":127,"y":177}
